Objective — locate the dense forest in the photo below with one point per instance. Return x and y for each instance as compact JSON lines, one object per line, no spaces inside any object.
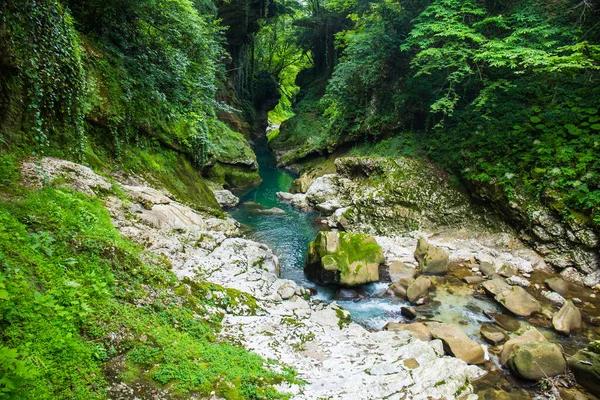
{"x":502,"y":95}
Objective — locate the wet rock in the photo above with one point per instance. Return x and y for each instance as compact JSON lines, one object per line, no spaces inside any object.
{"x":560,"y":286}
{"x":507,"y":271}
{"x":495,"y":286}
{"x":506,"y":322}
{"x":473,"y":279}
{"x":418,"y":329}
{"x":457,"y":343}
{"x":568,"y":319}
{"x":273,"y":211}
{"x":400,"y":287}
{"x":350,"y":294}
{"x":493,"y":334}
{"x":418,"y":289}
{"x":343,"y":258}
{"x":399,"y":270}
{"x":518,"y":301}
{"x":487,"y":268}
{"x":226,"y":199}
{"x":585,"y":365}
{"x":536,"y":360}
{"x":408,"y":312}
{"x":432,"y":259}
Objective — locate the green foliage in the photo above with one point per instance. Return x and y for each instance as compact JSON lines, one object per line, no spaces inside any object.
{"x":46,"y":54}
{"x":75,"y":296}
{"x":503,"y":93}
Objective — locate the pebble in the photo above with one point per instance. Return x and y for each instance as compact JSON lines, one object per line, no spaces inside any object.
{"x":593,"y":295}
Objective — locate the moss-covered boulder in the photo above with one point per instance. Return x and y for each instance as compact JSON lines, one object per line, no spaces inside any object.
{"x":585,"y":364}
{"x":343,"y":258}
{"x":537,"y":360}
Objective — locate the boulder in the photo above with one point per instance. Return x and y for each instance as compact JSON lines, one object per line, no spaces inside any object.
{"x":507,"y":271}
{"x":418,"y":289}
{"x":487,"y":268}
{"x":400,"y":287}
{"x":226,"y":199}
{"x":493,"y":334}
{"x":568,"y":319}
{"x":536,"y":360}
{"x":399,"y":270}
{"x":495,"y":286}
{"x":432,"y":259}
{"x":418,"y":329}
{"x":505,"y":321}
{"x":585,"y":365}
{"x":408,"y":312}
{"x":350,"y":294}
{"x":343,"y":258}
{"x":529,"y":336}
{"x":560,"y":286}
{"x":518,"y":301}
{"x":473,"y":279}
{"x":457,"y":343}
{"x":273,"y":211}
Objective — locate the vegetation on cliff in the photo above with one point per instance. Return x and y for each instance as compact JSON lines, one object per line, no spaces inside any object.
{"x":502,"y":93}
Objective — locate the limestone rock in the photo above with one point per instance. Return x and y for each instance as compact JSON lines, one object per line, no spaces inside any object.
{"x":400,"y":287}
{"x":487,"y":268}
{"x":473,"y":279}
{"x":418,"y":289}
{"x":297,"y":200}
{"x":418,"y":329}
{"x":457,"y":343}
{"x":518,"y":301}
{"x":536,"y":360}
{"x":516,"y":280}
{"x":529,"y":336}
{"x":568,"y":319}
{"x":585,"y":365}
{"x":343,"y":258}
{"x":493,"y":334}
{"x":554,"y":297}
{"x":226,"y":199}
{"x":432,"y":259}
{"x":79,"y":177}
{"x":560,"y":286}
{"x":399,"y":270}
{"x":495,"y":286}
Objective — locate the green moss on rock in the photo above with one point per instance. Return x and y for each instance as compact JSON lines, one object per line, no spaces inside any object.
{"x":343,"y":258}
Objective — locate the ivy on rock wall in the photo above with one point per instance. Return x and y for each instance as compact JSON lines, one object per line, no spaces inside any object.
{"x":133,"y":67}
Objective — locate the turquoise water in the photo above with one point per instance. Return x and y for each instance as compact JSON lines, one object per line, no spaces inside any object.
{"x":288,"y":235}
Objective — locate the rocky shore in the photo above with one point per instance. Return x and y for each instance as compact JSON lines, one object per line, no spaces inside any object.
{"x":335,"y":357}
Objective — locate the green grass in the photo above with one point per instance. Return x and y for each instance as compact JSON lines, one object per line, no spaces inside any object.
{"x":78,"y":300}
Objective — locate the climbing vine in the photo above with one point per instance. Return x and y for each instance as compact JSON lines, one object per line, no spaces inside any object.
{"x":46,"y":53}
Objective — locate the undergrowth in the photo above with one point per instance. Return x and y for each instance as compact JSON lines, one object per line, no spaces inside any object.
{"x":77,"y":298}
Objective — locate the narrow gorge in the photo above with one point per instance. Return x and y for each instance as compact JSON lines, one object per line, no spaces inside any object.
{"x":322,"y":199}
